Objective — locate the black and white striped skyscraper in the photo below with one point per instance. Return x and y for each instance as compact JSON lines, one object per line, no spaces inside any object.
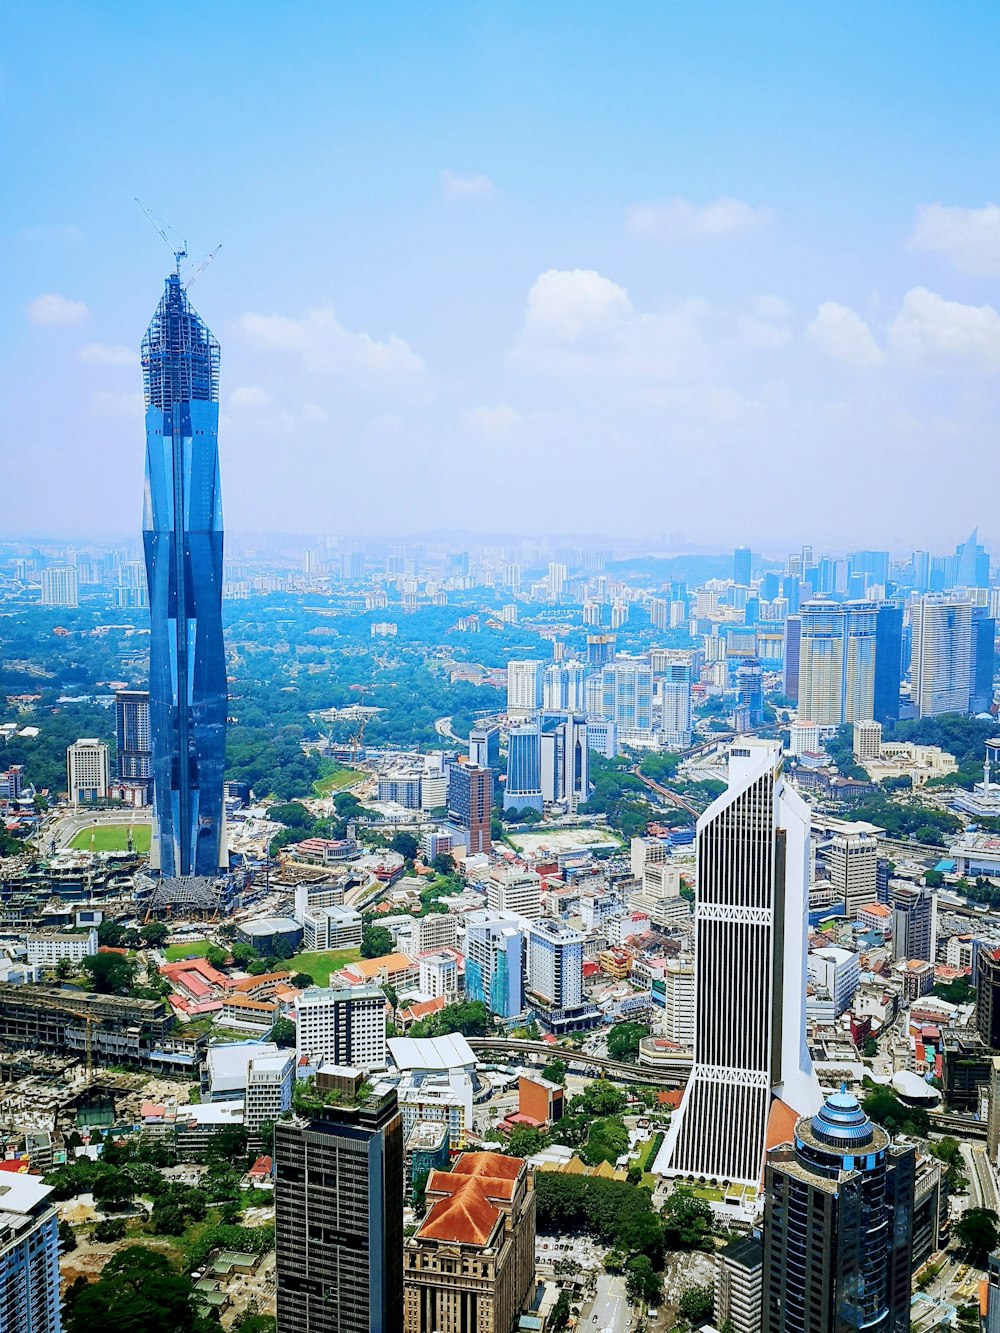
{"x":752,"y":1074}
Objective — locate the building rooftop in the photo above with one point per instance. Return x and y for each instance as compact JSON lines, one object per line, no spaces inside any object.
{"x":449,"y":1052}
{"x":469,"y":1213}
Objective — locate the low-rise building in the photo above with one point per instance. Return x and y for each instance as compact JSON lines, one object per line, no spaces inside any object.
{"x":48,"y":948}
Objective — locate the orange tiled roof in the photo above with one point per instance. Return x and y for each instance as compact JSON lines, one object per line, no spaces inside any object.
{"x":467,"y":1214}
{"x":780,"y":1124}
{"x":265,"y":979}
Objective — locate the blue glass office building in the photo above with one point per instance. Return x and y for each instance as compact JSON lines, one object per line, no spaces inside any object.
{"x":182,"y":536}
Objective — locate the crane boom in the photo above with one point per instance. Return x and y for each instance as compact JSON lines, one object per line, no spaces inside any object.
{"x":179,"y":252}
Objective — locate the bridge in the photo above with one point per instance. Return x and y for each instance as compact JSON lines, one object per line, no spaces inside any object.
{"x":616,"y":1069}
{"x":964,"y":1125}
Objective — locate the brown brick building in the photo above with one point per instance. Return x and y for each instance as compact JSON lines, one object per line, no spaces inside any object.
{"x":471,"y":1264}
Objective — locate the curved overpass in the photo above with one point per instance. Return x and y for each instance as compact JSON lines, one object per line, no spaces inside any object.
{"x":625,"y":1073}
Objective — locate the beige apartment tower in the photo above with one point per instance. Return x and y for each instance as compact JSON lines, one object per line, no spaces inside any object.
{"x":471,"y":1264}
{"x":941,"y":660}
{"x":852,"y":859}
{"x":837,"y":661}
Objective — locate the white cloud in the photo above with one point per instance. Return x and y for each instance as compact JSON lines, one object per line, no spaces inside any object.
{"x":565,"y":303}
{"x":109,"y":354}
{"x":456,"y":186}
{"x":929,"y":328}
{"x":314,"y":414}
{"x":326,"y":346}
{"x":248,"y":397}
{"x":843,"y":334}
{"x":493,"y":421}
{"x":57,"y":311}
{"x":768,"y":306}
{"x":120,"y":406}
{"x":970,"y":237}
{"x":679,"y":219}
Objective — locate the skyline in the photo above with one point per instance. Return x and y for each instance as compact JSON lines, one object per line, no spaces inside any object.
{"x":586,"y":268}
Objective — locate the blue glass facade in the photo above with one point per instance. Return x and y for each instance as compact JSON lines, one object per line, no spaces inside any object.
{"x":182,"y":537}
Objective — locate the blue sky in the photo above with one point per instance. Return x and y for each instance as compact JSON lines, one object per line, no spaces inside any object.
{"x":705,"y":271}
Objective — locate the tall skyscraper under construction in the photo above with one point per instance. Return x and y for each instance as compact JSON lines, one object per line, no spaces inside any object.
{"x":182,"y":536}
{"x":751,"y":1073}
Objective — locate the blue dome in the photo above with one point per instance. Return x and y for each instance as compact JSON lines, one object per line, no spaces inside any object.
{"x":841,"y":1122}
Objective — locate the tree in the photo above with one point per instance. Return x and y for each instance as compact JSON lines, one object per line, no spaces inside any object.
{"x":216,"y":956}
{"x":555,"y":1071}
{"x":869,"y":1047}
{"x":109,"y":1229}
{"x":301,"y":980}
{"x":67,"y":1238}
{"x":525,"y":1141}
{"x":696,"y":1304}
{"x":688,"y":1222}
{"x":405,"y":844}
{"x":114,"y":1189}
{"x":110,"y":973}
{"x":978,"y":1232}
{"x":599,"y":1098}
{"x":138,"y":1291}
{"x":64,"y":968}
{"x":884,"y":1107}
{"x":623,"y":1040}
{"x":641,"y":1283}
{"x":283,"y":1031}
{"x":376,"y":942}
{"x":155,"y":933}
{"x":110,"y":933}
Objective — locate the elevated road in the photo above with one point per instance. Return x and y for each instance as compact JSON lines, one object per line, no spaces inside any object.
{"x":961,"y":1125}
{"x":614,"y":1069}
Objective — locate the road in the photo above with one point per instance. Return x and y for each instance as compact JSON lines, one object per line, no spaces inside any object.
{"x":982,"y":1178}
{"x":443,"y":728}
{"x":609,"y":1311}
{"x":626,"y":1073}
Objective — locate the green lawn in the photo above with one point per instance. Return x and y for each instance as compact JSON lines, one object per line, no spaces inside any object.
{"x":336,"y":780}
{"x":320,"y":965}
{"x":193,"y":949}
{"x":113,"y":838}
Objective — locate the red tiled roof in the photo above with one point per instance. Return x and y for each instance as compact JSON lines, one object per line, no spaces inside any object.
{"x":262,"y":1167}
{"x":467,"y":1214}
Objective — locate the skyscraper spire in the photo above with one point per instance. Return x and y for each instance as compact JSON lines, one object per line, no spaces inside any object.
{"x":182,"y":537}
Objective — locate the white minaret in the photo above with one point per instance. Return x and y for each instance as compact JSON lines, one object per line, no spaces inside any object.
{"x":751,"y":929}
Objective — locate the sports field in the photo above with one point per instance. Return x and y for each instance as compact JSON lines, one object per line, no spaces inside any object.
{"x":320,"y":965}
{"x":336,"y":780}
{"x":112,"y":838}
{"x":193,"y":949}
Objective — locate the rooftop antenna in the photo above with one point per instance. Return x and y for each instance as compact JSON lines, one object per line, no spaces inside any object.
{"x":179,"y":251}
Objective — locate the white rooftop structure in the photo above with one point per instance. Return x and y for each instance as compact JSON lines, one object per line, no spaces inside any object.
{"x":227,"y":1064}
{"x":431,"y":1053}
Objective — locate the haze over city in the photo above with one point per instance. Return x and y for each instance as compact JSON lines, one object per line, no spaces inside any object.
{"x":703,"y":271}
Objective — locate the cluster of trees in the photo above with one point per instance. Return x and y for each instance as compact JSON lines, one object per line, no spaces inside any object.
{"x":619,"y":794}
{"x":925,"y":822}
{"x":978,"y":1233}
{"x":138,"y":1288}
{"x":624,"y":1039}
{"x":840,"y":748}
{"x":884,"y":1107}
{"x":949,"y":1151}
{"x":470,"y":1017}
{"x":959,"y":991}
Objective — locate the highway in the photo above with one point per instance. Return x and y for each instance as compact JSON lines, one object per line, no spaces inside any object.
{"x":984,"y":1178}
{"x":626,"y":1073}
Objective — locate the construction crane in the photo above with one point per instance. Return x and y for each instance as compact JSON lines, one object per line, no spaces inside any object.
{"x":88,"y":1020}
{"x":165,"y":232}
{"x":358,"y":737}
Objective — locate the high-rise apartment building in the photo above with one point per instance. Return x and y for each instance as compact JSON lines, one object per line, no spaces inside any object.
{"x":563,"y":687}
{"x":627,"y":697}
{"x":941,"y":679}
{"x":675,"y":705}
{"x":555,"y":964}
{"x":511,"y":890}
{"x":182,"y":536}
{"x":914,"y":922}
{"x":494,"y":961}
{"x":29,"y":1257}
{"x":338,"y":1213}
{"x":852,"y":860}
{"x":524,"y":688}
{"x":484,"y":747}
{"x":867,"y":740}
{"x":837,"y":661}
{"x":600,"y":650}
{"x":838,"y":1226}
{"x":134,"y":757}
{"x":470,"y":804}
{"x":742,"y":566}
{"x":793,"y":656}
{"x":750,"y":1053}
{"x":678,"y":1000}
{"x":60,"y":586}
{"x":888,"y":661}
{"x":342,"y":1026}
{"x":738,"y":1285}
{"x":87,"y":775}
{"x":988,"y":997}
{"x":984,"y":633}
{"x":470,"y":1267}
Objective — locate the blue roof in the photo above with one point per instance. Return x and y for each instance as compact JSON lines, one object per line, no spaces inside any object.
{"x":841,"y":1122}
{"x":945,"y":866}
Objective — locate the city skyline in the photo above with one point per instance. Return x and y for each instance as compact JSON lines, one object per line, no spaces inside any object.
{"x":695,"y":273}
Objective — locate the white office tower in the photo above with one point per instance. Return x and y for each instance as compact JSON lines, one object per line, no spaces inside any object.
{"x":564,"y":688}
{"x":564,"y":760}
{"x":270,"y":1079}
{"x":341,"y":1026}
{"x":511,"y":890}
{"x":524,"y":688}
{"x":555,"y":964}
{"x":29,"y":1257}
{"x":87,"y":770}
{"x":941,"y":660}
{"x":751,"y":923}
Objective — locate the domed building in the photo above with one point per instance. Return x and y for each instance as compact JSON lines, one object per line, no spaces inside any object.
{"x":838,"y":1226}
